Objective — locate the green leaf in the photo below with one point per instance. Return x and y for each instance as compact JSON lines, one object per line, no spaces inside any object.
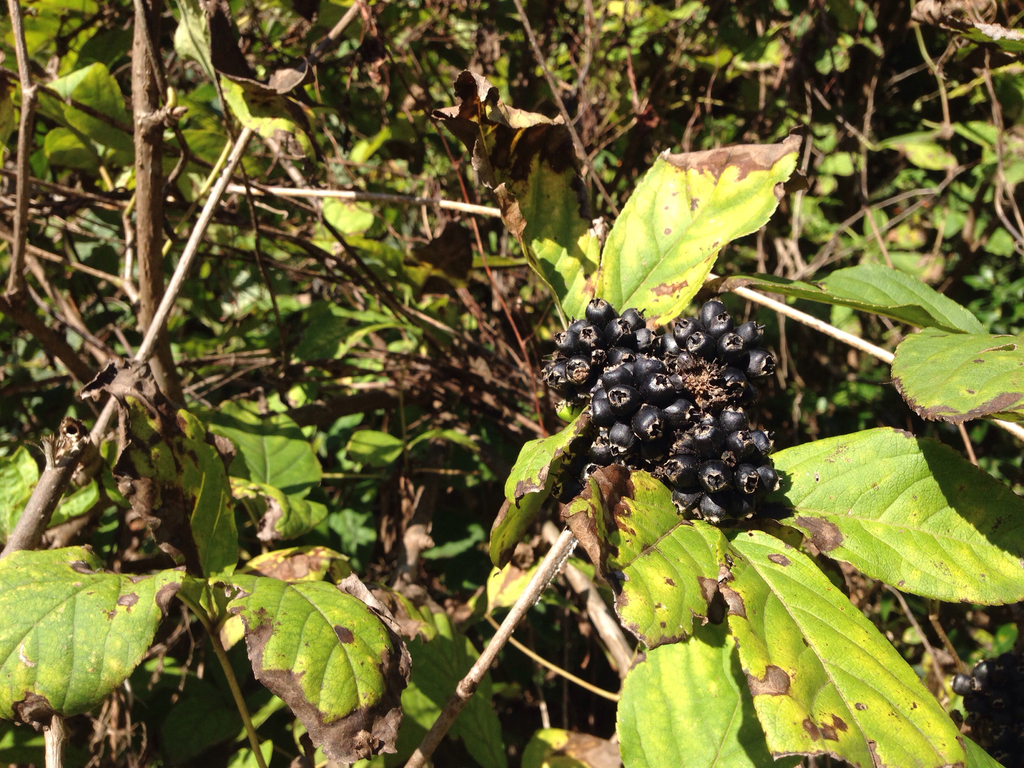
{"x":98,"y":89}
{"x":273,"y":448}
{"x":6,"y":114}
{"x":329,"y":658}
{"x":72,"y":633}
{"x":824,"y":680}
{"x":77,"y":503}
{"x":378,"y":449}
{"x":63,"y":147}
{"x":266,"y":113}
{"x":438,"y":664}
{"x":505,"y":585}
{"x":556,"y":748}
{"x":909,"y":511}
{"x":681,"y":214}
{"x":688,"y":704}
{"x":664,"y":569}
{"x":347,"y":217}
{"x":332,"y":330}
{"x":873,"y":288}
{"x":921,"y":150}
{"x":192,"y":36}
{"x":978,"y":757}
{"x":528,"y":485}
{"x":18,"y":476}
{"x":284,"y":516}
{"x":958,"y":377}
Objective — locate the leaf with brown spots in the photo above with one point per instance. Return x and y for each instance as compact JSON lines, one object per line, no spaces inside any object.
{"x":909,"y":511}
{"x":683,"y":212}
{"x":172,"y":471}
{"x":529,"y":484}
{"x":825,"y":681}
{"x":687,"y":704}
{"x":71,"y":633}
{"x":330,"y":658}
{"x":307,"y":563}
{"x":957,"y":377}
{"x":529,"y":162}
{"x":662,"y":568}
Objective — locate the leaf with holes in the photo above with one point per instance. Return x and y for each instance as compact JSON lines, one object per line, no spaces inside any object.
{"x":528,"y":484}
{"x":688,"y":704}
{"x":682,"y":213}
{"x":71,"y":632}
{"x":871,"y":288}
{"x":908,"y":511}
{"x":328,"y":656}
{"x":825,"y":681}
{"x":959,"y":377}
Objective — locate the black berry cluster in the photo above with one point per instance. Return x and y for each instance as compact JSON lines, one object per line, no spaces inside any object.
{"x":994,"y":699}
{"x":673,"y":404}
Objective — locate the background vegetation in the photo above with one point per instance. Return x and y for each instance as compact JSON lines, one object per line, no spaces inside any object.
{"x":376,"y":361}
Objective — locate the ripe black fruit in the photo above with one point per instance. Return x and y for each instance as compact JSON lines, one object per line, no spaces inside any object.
{"x":600,"y":312}
{"x":670,"y":404}
{"x":649,"y":423}
{"x":714,"y":476}
{"x":760,"y":364}
{"x":752,"y":333}
{"x":710,"y":311}
{"x":624,"y":400}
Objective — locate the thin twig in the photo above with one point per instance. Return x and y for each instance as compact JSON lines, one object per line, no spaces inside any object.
{"x":554,"y":561}
{"x":371,"y":197}
{"x":854,"y":341}
{"x":936,"y":666}
{"x":26,"y":128}
{"x":601,"y":616}
{"x":46,"y":496}
{"x":555,"y":668}
{"x":576,"y":141}
{"x":331,"y":40}
{"x":55,"y":736}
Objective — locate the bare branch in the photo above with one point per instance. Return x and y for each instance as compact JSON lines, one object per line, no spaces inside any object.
{"x":26,"y":128}
{"x":601,"y":616}
{"x":552,"y":564}
{"x":576,"y":141}
{"x":149,"y":187}
{"x":36,"y":515}
{"x":372,"y":197}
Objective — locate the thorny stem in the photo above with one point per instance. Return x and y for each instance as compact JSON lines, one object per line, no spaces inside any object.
{"x":552,"y":564}
{"x":26,"y":128}
{"x":229,"y":673}
{"x":557,"y":669}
